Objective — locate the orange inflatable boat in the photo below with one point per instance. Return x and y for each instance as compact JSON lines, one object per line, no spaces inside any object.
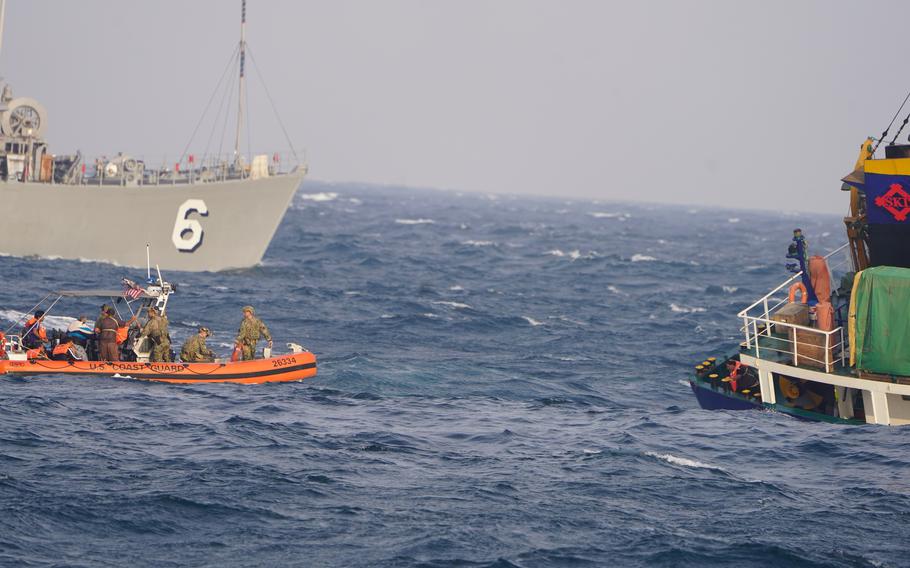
{"x":19,"y":360}
{"x":293,"y":367}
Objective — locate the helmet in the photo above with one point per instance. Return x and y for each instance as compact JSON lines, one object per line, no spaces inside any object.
{"x":205,"y":329}
{"x":249,"y":309}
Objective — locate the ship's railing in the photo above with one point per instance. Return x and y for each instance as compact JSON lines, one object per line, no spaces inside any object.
{"x":801,"y":345}
{"x":132,"y":170}
{"x":814,"y":347}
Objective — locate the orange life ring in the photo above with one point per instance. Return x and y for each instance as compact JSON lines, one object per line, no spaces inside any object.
{"x":804,"y":295}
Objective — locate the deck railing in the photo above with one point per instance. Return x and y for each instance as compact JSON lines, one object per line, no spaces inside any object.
{"x":811,"y":346}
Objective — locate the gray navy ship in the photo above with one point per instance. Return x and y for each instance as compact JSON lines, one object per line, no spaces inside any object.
{"x":187,"y":211}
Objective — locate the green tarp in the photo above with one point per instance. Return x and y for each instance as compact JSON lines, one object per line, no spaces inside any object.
{"x":882,"y":297}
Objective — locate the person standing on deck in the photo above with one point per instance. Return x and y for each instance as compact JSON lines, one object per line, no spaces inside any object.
{"x":251,"y":328}
{"x":107,"y":336}
{"x":156,"y":330}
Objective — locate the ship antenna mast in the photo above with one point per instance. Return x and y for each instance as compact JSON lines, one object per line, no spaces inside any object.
{"x":240,"y":98}
{"x":2,"y":18}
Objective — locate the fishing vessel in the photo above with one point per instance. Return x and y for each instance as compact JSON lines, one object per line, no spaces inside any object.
{"x":61,"y":357}
{"x":107,"y":208}
{"x":832,"y":342}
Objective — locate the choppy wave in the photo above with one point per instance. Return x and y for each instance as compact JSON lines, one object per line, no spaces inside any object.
{"x":685,"y":462}
{"x":686,"y":310}
{"x":420,"y":221}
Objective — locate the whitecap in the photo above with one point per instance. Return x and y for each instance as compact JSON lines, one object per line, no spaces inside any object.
{"x":613,"y":289}
{"x":591,"y":452}
{"x":191,"y":323}
{"x":478,"y":243}
{"x":730,"y":289}
{"x":609,"y":215}
{"x":575,"y":254}
{"x":415,"y":221}
{"x":685,"y":462}
{"x":353,"y":293}
{"x":323,"y":196}
{"x":355,"y":201}
{"x":429,"y":315}
{"x":454,"y":305}
{"x":685,"y":310}
{"x":555,"y":252}
{"x":456,"y":288}
{"x":642,"y":258}
{"x":532,"y":321}
{"x":386,"y":316}
{"x":733,"y":220}
{"x":53,"y":322}
{"x":826,"y":234}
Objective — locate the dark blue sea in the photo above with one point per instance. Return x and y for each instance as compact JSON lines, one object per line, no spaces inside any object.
{"x":502,"y":382}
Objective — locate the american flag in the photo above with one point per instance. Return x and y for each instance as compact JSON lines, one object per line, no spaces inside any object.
{"x":131,"y":290}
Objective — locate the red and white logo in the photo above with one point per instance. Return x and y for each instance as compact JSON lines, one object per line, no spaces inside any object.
{"x":896,"y":201}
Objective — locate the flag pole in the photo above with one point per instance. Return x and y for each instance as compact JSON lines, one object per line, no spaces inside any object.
{"x":148,"y":263}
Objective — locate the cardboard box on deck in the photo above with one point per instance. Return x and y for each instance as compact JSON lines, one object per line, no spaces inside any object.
{"x":794,"y":313}
{"x":810,"y":348}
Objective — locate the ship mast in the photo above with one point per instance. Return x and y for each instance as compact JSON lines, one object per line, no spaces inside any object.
{"x":240,"y":97}
{"x":2,"y":18}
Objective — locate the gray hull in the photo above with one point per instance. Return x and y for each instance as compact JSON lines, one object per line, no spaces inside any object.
{"x":192,"y":227}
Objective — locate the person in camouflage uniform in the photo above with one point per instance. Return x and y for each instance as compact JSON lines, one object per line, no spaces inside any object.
{"x":195,"y":350}
{"x":156,"y":330}
{"x":251,"y":328}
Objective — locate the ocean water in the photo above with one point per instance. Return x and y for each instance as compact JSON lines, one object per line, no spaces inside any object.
{"x":501,"y":383}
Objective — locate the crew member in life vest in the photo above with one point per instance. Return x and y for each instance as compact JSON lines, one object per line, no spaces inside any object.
{"x":251,"y":328}
{"x":195,"y":350}
{"x":107,"y":336}
{"x":156,"y":330}
{"x":34,"y":336}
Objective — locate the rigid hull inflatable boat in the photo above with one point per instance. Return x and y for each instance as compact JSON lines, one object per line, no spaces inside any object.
{"x":293,"y":367}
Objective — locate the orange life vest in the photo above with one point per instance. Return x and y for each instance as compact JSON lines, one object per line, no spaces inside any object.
{"x":734,"y":374}
{"x":35,"y":327}
{"x":62,"y":348}
{"x":37,"y":353}
{"x":123,"y":332}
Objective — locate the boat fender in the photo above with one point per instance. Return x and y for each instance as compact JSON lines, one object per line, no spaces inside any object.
{"x":804,"y":295}
{"x":2,"y":345}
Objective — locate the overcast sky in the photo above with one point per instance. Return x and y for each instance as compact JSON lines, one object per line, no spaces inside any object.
{"x":738,"y":104}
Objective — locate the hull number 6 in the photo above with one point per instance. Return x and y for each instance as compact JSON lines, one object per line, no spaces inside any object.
{"x":187,"y":235}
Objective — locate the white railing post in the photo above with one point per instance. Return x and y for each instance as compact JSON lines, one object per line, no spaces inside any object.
{"x":755,"y":330}
{"x":746,"y":330}
{"x":795,"y":348}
